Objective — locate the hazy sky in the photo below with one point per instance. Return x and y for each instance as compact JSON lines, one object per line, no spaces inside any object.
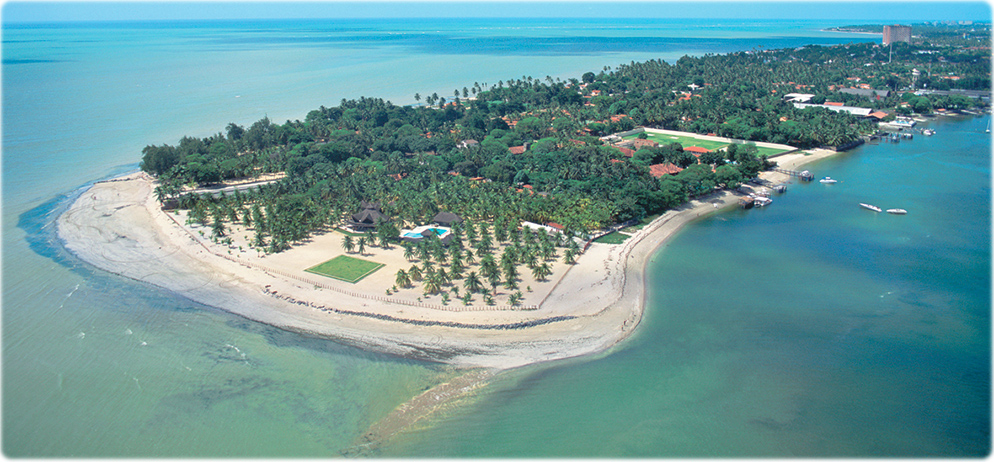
{"x":906,"y":11}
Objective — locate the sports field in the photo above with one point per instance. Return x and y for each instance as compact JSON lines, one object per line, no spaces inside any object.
{"x":345,"y":268}
{"x":688,"y":141}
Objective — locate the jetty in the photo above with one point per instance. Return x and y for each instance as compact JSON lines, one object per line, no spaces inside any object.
{"x":804,"y":176}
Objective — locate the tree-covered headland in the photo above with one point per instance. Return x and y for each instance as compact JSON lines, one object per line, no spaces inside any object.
{"x":454,"y":153}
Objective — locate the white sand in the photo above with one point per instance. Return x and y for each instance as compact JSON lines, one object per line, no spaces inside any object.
{"x":585,"y":308}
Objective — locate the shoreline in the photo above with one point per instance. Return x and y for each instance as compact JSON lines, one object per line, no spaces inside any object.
{"x":118,"y":226}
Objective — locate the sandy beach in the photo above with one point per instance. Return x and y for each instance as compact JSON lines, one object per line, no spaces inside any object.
{"x":118,"y":226}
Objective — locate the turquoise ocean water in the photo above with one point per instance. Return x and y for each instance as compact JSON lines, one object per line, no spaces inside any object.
{"x":809,"y":328}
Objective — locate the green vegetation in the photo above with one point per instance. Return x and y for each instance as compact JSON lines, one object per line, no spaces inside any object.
{"x":417,"y":161}
{"x":641,"y":224}
{"x":612,"y":238}
{"x":346,"y":268}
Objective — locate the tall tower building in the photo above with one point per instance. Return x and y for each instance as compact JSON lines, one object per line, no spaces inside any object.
{"x":897,"y":33}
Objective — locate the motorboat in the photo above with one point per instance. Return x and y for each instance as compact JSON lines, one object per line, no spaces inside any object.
{"x":828,"y":180}
{"x":897,"y":211}
{"x":760,"y":201}
{"x":928,"y":132}
{"x":871,"y":207}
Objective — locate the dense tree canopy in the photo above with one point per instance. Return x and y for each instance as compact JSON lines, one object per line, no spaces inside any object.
{"x":416,"y":161}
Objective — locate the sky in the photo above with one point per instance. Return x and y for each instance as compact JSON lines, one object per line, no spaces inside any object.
{"x":905,"y":11}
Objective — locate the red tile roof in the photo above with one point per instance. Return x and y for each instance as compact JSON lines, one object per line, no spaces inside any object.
{"x":696,"y":149}
{"x":638,"y":143}
{"x":658,"y":170}
{"x":627,"y":152}
{"x":517,"y":149}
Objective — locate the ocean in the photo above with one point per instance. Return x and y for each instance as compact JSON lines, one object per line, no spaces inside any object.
{"x":834,"y":331}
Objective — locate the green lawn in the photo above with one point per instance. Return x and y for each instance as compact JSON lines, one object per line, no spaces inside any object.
{"x":688,"y":141}
{"x":685,"y":141}
{"x":346,"y":268}
{"x":613,"y":238}
{"x":637,"y":226}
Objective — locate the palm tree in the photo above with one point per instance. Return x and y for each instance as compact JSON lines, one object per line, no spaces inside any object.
{"x":414,"y":273}
{"x":542,"y":271}
{"x":361,"y":244}
{"x":433,"y":283}
{"x":455,"y":269}
{"x":403,"y":280}
{"x":472,"y":283}
{"x":408,"y":251}
{"x":510,"y":276}
{"x":348,"y":244}
{"x":569,"y":256}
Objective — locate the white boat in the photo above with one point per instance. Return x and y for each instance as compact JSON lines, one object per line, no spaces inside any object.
{"x":828,"y":180}
{"x":928,"y":132}
{"x":760,"y":201}
{"x":871,"y":207}
{"x":897,"y":211}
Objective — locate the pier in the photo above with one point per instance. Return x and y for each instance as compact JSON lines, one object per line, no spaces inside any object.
{"x":804,"y":176}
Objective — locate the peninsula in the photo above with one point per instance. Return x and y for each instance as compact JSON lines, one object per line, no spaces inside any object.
{"x":498,"y":230}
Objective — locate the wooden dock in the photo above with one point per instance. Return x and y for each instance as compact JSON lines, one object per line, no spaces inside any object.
{"x":804,"y":176}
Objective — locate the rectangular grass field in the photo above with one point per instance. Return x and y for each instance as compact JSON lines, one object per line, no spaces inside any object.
{"x":345,"y":268}
{"x":688,"y":141}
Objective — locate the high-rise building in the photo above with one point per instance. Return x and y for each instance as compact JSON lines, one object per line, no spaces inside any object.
{"x":897,"y":33}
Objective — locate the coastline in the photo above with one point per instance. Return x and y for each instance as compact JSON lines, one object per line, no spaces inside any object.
{"x":118,"y":226}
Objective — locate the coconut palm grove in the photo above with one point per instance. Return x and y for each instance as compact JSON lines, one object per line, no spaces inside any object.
{"x":498,"y":154}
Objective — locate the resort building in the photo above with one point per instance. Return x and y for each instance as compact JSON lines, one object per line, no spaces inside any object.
{"x":661,"y":170}
{"x":446,"y":219}
{"x":367,"y":219}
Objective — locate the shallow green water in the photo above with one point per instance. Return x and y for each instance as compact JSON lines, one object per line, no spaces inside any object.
{"x":759,"y":339}
{"x":810,"y":328}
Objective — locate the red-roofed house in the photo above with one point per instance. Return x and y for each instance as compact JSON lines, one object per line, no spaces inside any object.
{"x":627,"y":152}
{"x":830,"y":103}
{"x":517,"y":149}
{"x":696,"y":149}
{"x":659,"y":170}
{"x":639,"y":143}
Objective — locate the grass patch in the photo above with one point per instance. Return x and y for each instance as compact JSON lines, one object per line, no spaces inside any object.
{"x":346,"y":268}
{"x":613,"y":238}
{"x":641,"y":224}
{"x":685,"y":141}
{"x":688,"y":141}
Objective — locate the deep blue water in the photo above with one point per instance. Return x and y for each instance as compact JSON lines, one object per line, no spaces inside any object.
{"x":810,"y":328}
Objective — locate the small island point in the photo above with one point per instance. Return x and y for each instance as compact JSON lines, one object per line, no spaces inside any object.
{"x":585,"y":308}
